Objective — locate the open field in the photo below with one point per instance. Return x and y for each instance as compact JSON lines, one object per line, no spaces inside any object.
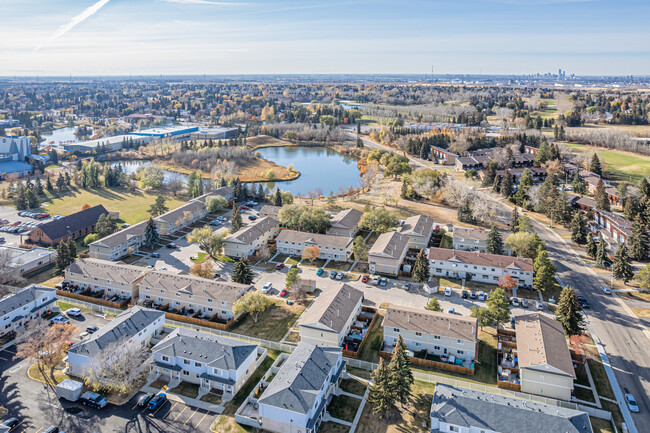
{"x":620,"y":166}
{"x":266,"y":141}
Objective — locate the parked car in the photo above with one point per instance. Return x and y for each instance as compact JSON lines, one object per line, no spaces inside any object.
{"x":93,"y":399}
{"x":524,"y":303}
{"x":472,"y":294}
{"x":266,"y":288}
{"x":631,"y":402}
{"x":333,"y":274}
{"x":283,"y":293}
{"x":364,"y":278}
{"x":339,"y":276}
{"x":583,"y":301}
{"x":171,"y":245}
{"x":144,"y":400}
{"x":293,"y":267}
{"x":52,"y":429}
{"x":59,"y":319}
{"x":244,"y":207}
{"x":125,"y":225}
{"x":407,"y":286}
{"x":279,"y":266}
{"x":92,"y":329}
{"x":512,"y":322}
{"x":155,"y":255}
{"x":481,"y":295}
{"x":539,"y":305}
{"x":157,"y":401}
{"x":447,"y":291}
{"x":605,"y":289}
{"x":252,"y":217}
{"x":376,"y":280}
{"x":11,"y":422}
{"x":464,"y":294}
{"x":320,"y":272}
{"x":73,"y":312}
{"x":383,"y":282}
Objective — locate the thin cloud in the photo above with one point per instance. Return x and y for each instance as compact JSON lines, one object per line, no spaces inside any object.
{"x":83,"y":16}
{"x":205,"y":2}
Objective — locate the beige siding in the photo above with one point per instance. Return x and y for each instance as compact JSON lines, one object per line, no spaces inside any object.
{"x":546,"y":384}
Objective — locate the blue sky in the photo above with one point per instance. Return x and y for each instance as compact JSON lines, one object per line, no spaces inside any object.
{"x":115,"y":37}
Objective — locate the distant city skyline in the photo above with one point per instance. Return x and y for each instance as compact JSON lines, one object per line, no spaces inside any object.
{"x":187,"y":37}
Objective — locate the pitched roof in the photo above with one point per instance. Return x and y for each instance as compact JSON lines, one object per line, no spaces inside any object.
{"x":481,"y":259}
{"x":418,"y":225}
{"x":173,"y":215}
{"x":484,"y":411}
{"x":249,"y":233}
{"x":21,"y":298}
{"x":391,"y":244}
{"x":218,"y":290}
{"x":348,"y":219}
{"x":123,"y":327}
{"x":211,"y":350}
{"x":106,"y":270}
{"x":541,"y":342}
{"x":316,"y":238}
{"x":431,"y":322}
{"x":270,"y":210}
{"x":301,"y":378}
{"x":332,"y":309}
{"x":57,"y":229}
{"x":122,"y":236}
{"x":224,"y":191}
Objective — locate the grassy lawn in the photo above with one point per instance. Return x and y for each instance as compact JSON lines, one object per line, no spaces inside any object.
{"x":211,"y":398}
{"x":272,"y":324}
{"x":470,"y":285}
{"x":159,"y":384}
{"x":343,"y":407}
{"x":619,"y":165}
{"x":200,"y":257}
{"x":601,"y":425}
{"x":338,"y":266}
{"x":332,"y":427}
{"x":642,"y":313}
{"x":291,"y":261}
{"x":187,"y":389}
{"x":317,"y":263}
{"x":376,"y":332}
{"x":45,"y":278}
{"x":409,"y":419}
{"x":643,"y":295}
{"x":603,"y":388}
{"x":132,"y":207}
{"x":447,"y":241}
{"x":583,"y":394}
{"x":225,"y":259}
{"x":53,"y":377}
{"x":353,"y":386}
{"x":63,"y":305}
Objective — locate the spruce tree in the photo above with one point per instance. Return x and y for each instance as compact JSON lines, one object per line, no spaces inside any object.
{"x":595,"y":166}
{"x":236,"y":218}
{"x":62,"y":258}
{"x":602,"y":199}
{"x":507,"y":184}
{"x":601,"y":252}
{"x":421,"y":272}
{"x":621,"y":267}
{"x":32,"y":201}
{"x":592,"y":248}
{"x":465,"y":214}
{"x":645,"y":187}
{"x":277,"y":199}
{"x":151,"y":234}
{"x":48,"y":185}
{"x":242,"y":273}
{"x":38,"y":187}
{"x":638,"y":240}
{"x":514,"y":221}
{"x":494,"y":242}
{"x":433,"y":305}
{"x":382,"y":391}
{"x":568,"y":312}
{"x":400,"y":372}
{"x":544,"y":271}
{"x":578,"y":228}
{"x":72,"y":250}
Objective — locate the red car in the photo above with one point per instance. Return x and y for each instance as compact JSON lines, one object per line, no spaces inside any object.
{"x":364,"y":279}
{"x":244,"y":207}
{"x":279,"y":266}
{"x":283,"y":293}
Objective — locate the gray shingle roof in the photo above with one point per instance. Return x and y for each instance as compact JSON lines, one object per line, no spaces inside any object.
{"x":348,"y":219}
{"x":249,"y":233}
{"x":316,"y":238}
{"x":122,"y":236}
{"x":106,"y":270}
{"x":432,"y":323}
{"x":420,"y":225}
{"x":123,"y":327}
{"x":332,"y":309}
{"x":391,"y":244}
{"x":167,"y":284}
{"x":468,"y":408}
{"x":301,"y":378}
{"x":211,"y":350}
{"x":19,"y":299}
{"x":57,"y":229}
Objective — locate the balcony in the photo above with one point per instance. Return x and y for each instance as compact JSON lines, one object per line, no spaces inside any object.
{"x":353,"y":342}
{"x":507,"y":360}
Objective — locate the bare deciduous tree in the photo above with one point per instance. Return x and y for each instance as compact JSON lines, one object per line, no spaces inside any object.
{"x":117,"y":367}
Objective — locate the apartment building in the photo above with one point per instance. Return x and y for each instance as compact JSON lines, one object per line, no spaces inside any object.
{"x":545,"y":365}
{"x":483,"y":267}
{"x":298,"y":395}
{"x":345,"y":223}
{"x":330,"y":317}
{"x":23,"y":261}
{"x":181,"y":217}
{"x":387,"y":253}
{"x":189,"y":293}
{"x":137,"y":325}
{"x":113,"y":278}
{"x":270,"y":211}
{"x":616,"y":229}
{"x":247,"y":240}
{"x":443,"y":156}
{"x":439,"y":334}
{"x":18,"y":308}
{"x":72,"y":226}
{"x":472,"y":239}
{"x":213,"y":362}
{"x":119,"y":244}
{"x":418,"y":229}
{"x":331,"y":247}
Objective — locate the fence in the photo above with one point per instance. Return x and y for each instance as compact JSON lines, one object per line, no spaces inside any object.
{"x":121,"y":305}
{"x":199,"y":322}
{"x":352,"y":354}
{"x":95,"y":307}
{"x":433,"y":364}
{"x":508,"y":385}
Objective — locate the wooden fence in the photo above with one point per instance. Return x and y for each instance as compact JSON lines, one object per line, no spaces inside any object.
{"x":119,"y":305}
{"x":351,"y":354}
{"x":433,"y":364}
{"x":508,"y":385}
{"x":200,"y":322}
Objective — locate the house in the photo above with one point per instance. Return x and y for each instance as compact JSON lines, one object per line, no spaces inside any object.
{"x":585,"y":204}
{"x":24,"y":261}
{"x":443,"y":156}
{"x":330,"y":317}
{"x":214,"y":363}
{"x":119,"y":244}
{"x":248,"y":239}
{"x":345,"y":223}
{"x":137,"y":325}
{"x":530,"y":150}
{"x":331,"y":247}
{"x":478,"y":266}
{"x":297,"y":397}
{"x":439,"y":334}
{"x":455,"y":409}
{"x":545,"y":365}
{"x":24,"y":305}
{"x":418,"y":229}
{"x":537,"y":173}
{"x":113,"y":278}
{"x":465,"y":163}
{"x":387,"y":253}
{"x":523,"y":160}
{"x":72,"y":226}
{"x":270,"y":211}
{"x":189,"y":293}
{"x":616,"y":229}
{"x":181,"y":217}
{"x":471,"y":239}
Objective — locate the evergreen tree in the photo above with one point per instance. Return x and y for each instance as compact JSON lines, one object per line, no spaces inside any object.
{"x":38,"y":187}
{"x":32,"y":200}
{"x":465,"y":213}
{"x":400,"y":372}
{"x":602,"y":199}
{"x":592,"y":248}
{"x":621,"y":268}
{"x":60,"y":182}
{"x":242,"y":273}
{"x":62,"y":258}
{"x":158,"y":207}
{"x":360,"y":143}
{"x":236,"y":218}
{"x":544,"y":271}
{"x":498,"y":306}
{"x":237,"y":193}
{"x":568,"y":312}
{"x":151,"y":234}
{"x":494,"y":242}
{"x":382,"y":390}
{"x":433,"y":305}
{"x":277,"y":198}
{"x":595,"y":166}
{"x":514,"y":220}
{"x":601,"y":252}
{"x":645,"y":187}
{"x":20,"y":197}
{"x":578,"y":228}
{"x":507,"y":184}
{"x":638,"y":240}
{"x":421,"y":272}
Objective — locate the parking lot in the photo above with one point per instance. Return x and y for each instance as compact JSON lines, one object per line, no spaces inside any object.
{"x":10,"y":216}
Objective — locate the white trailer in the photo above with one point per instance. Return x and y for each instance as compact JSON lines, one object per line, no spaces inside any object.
{"x":69,"y":389}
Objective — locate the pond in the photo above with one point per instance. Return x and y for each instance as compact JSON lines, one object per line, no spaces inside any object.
{"x":60,"y":136}
{"x":320,"y":168}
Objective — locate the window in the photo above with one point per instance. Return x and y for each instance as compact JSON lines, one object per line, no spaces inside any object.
{"x":460,"y":341}
{"x":198,"y":364}
{"x":436,"y":347}
{"x":209,"y":299}
{"x":395,"y":329}
{"x":224,"y":312}
{"x":177,"y":294}
{"x":436,"y":337}
{"x":418,"y":344}
{"x":419,"y":334}
{"x":186,"y":373}
{"x":186,"y":362}
{"x":223,"y":303}
{"x":460,"y":352}
{"x":165,"y":358}
{"x":453,"y":428}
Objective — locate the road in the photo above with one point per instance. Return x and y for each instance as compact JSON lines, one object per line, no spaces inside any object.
{"x":623,"y":339}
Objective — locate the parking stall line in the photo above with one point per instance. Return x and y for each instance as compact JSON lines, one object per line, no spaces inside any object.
{"x":170,"y":409}
{"x":39,"y":430}
{"x":17,"y":425}
{"x":177,"y":416}
{"x":201,"y":420}
{"x":193,"y":413}
{"x":135,"y":406}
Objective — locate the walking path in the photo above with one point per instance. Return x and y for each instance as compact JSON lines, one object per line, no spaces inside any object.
{"x":359,"y":411}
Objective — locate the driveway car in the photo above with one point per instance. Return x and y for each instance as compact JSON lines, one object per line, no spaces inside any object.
{"x":73,"y":312}
{"x":364,"y":278}
{"x":244,"y":207}
{"x":144,"y":400}
{"x":407,"y":286}
{"x":267,"y":287}
{"x":606,"y":290}
{"x":383,"y":282}
{"x":631,"y":403}
{"x":283,"y":293}
{"x":472,"y":294}
{"x":539,"y":305}
{"x":583,"y":301}
{"x":447,"y":291}
{"x":320,"y":272}
{"x":157,"y":401}
{"x":376,"y":281}
{"x":92,"y":329}
{"x":332,"y":274}
{"x":155,"y":255}
{"x":93,"y":399}
{"x":464,"y":294}
{"x":339,"y":276}
{"x":59,"y":319}
{"x":481,"y":295}
{"x":279,"y":266}
{"x":524,"y":303}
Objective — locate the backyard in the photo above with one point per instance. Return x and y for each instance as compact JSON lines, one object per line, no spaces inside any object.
{"x":272,"y":324}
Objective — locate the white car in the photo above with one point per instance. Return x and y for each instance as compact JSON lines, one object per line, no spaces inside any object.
{"x":73,"y":312}
{"x":339,"y":276}
{"x":540,"y":305}
{"x":631,"y":403}
{"x":266,"y":288}
{"x":375,"y":280}
{"x":481,"y":295}
{"x":606,"y":290}
{"x":515,"y":302}
{"x":59,"y":319}
{"x":447,"y":291}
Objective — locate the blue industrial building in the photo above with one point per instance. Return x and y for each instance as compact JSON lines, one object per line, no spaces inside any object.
{"x":177,"y":131}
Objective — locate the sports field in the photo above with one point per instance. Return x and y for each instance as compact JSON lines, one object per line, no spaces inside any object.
{"x":620,"y":166}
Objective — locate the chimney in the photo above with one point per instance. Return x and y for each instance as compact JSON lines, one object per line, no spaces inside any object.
{"x":338,"y":313}
{"x":408,"y":319}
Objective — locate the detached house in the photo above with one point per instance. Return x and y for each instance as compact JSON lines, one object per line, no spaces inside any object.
{"x":387,"y":253}
{"x":22,"y":306}
{"x":345,"y":223}
{"x":418,"y":229}
{"x":331,"y":247}
{"x":296,"y":398}
{"x":113,"y":278}
{"x":483,"y":267}
{"x":212,"y":362}
{"x":247,"y":240}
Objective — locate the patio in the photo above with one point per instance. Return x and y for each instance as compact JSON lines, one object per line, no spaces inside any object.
{"x":507,"y":360}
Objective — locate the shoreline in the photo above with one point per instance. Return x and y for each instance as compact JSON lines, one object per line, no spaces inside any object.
{"x":292,"y":175}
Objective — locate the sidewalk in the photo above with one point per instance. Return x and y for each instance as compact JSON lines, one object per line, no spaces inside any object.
{"x":193,"y":402}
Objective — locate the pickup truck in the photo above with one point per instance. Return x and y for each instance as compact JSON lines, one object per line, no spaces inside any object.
{"x":93,"y":399}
